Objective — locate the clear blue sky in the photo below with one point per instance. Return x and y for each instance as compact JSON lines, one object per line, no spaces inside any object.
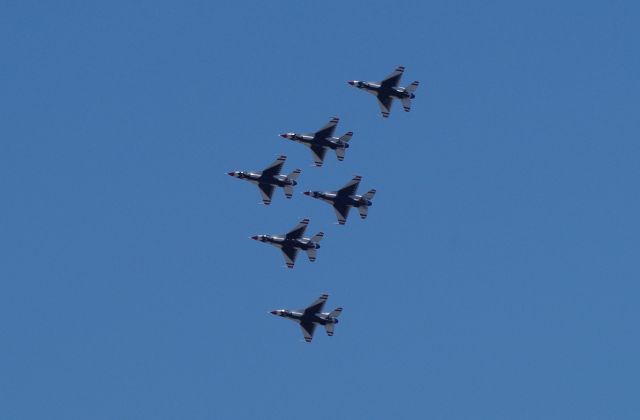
{"x":497,"y":276}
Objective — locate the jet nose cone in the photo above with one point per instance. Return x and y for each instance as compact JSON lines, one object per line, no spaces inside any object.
{"x":307,"y":193}
{"x":284,"y":136}
{"x":231,"y":173}
{"x":255,"y":237}
{"x":274,"y":312}
{"x":352,"y":82}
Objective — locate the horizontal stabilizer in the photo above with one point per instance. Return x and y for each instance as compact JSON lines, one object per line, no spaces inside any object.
{"x":294,"y":175}
{"x":406,"y":104}
{"x":412,"y":87}
{"x":317,"y":237}
{"x":335,"y":313}
{"x":312,"y":253}
{"x":347,"y":136}
{"x":288,"y":191}
{"x":329,"y":328}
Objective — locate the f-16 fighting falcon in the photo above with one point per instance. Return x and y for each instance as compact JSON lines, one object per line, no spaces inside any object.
{"x":387,"y":90}
{"x":311,"y":316}
{"x":270,"y":178}
{"x":293,"y":241}
{"x":345,"y":198}
{"x":322,"y":140}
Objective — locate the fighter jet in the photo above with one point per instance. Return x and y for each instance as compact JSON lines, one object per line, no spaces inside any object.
{"x":388,"y":89}
{"x":270,"y":178}
{"x":293,"y":241}
{"x":311,"y":316}
{"x":322,"y":140}
{"x":345,"y":198}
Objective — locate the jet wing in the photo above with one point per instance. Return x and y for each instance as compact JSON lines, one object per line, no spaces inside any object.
{"x":316,"y":306}
{"x":328,"y":129}
{"x":342,"y":212}
{"x":318,"y":154}
{"x":393,"y":79}
{"x":290,"y":256}
{"x":266,"y":191}
{"x":350,"y":188}
{"x":384,"y":102}
{"x":298,"y":231}
{"x":275,"y":168}
{"x":307,"y":330}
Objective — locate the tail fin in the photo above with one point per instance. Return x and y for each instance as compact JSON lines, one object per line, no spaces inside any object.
{"x":347,"y":136}
{"x":317,"y":237}
{"x":369,"y":195}
{"x":340,"y":151}
{"x":412,"y":87}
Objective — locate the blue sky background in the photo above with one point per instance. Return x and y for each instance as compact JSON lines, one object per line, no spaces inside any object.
{"x":497,"y":276}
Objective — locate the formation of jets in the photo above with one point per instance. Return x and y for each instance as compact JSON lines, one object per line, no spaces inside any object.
{"x":342,"y":200}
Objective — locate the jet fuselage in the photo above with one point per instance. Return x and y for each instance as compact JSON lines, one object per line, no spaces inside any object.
{"x":283,"y":242}
{"x":332,"y":143}
{"x":321,"y":318}
{"x":333,"y":198}
{"x":379,"y":90}
{"x":258,"y":178}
